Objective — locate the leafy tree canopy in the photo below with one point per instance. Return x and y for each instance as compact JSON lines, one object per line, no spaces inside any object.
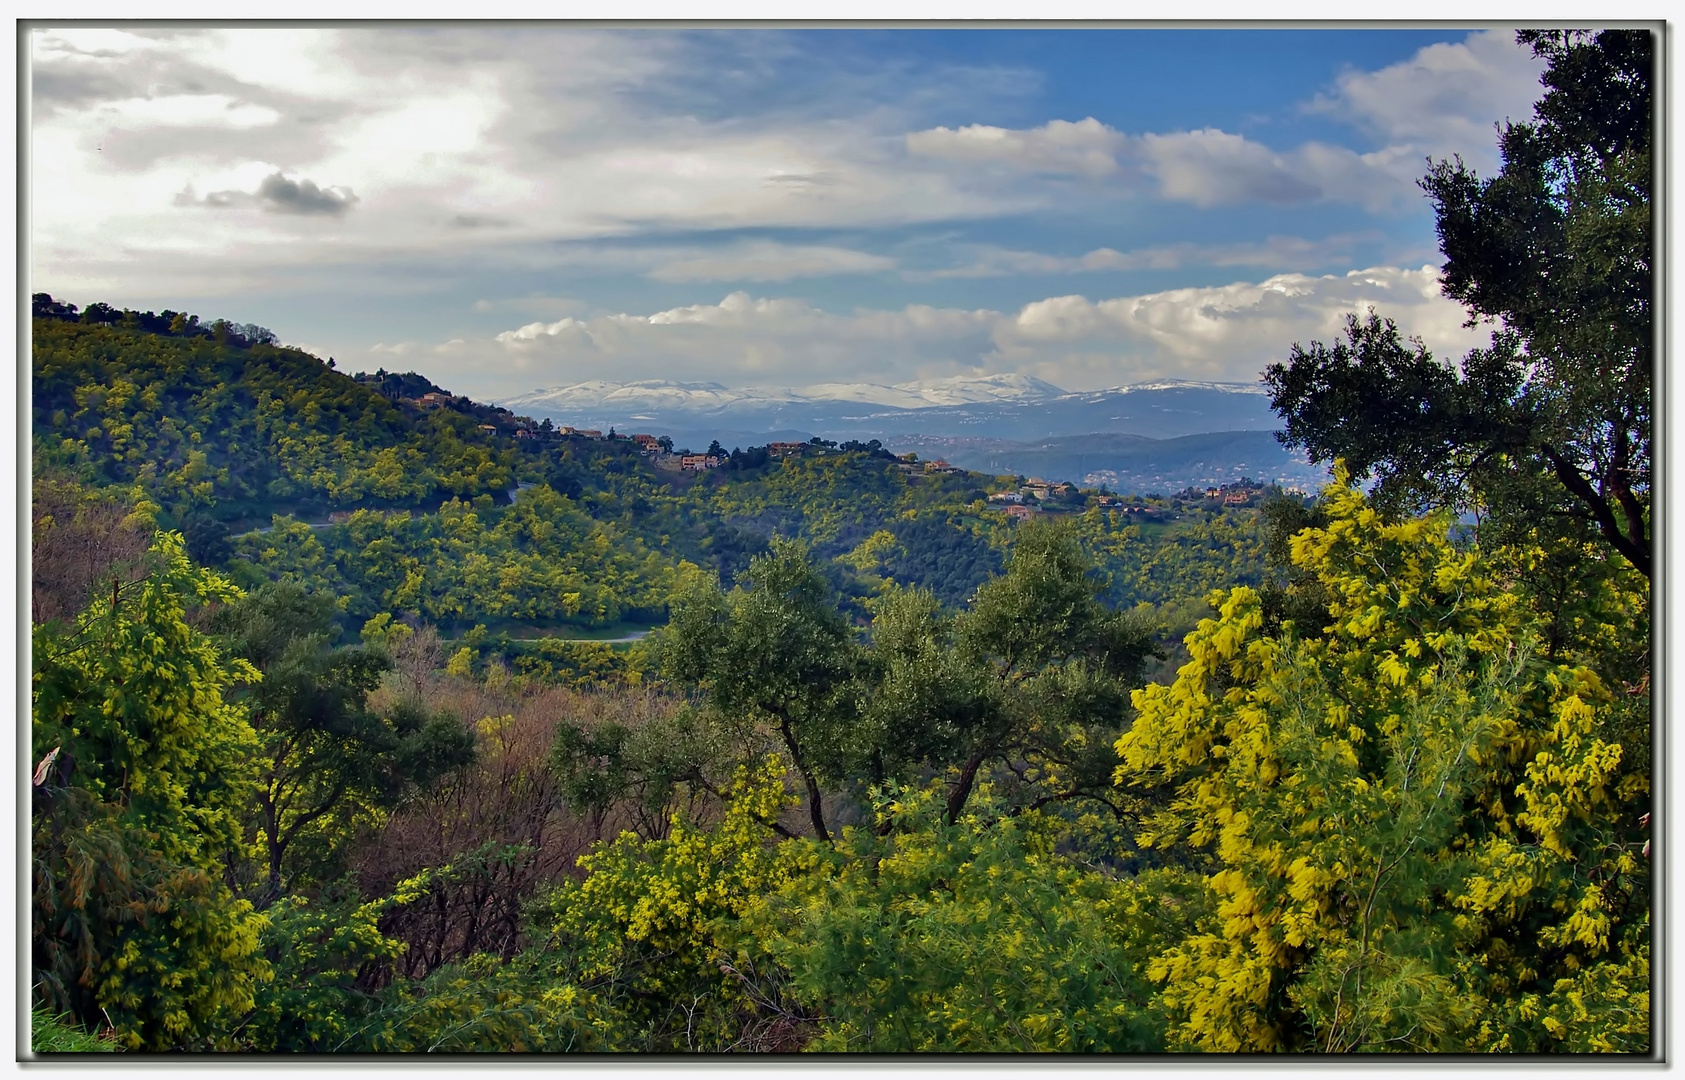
{"x":1548,"y":428}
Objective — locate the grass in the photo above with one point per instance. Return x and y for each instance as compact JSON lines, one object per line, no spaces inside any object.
{"x":60,"y":1035}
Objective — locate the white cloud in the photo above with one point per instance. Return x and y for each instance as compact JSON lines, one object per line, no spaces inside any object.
{"x":1273,"y":252}
{"x":1224,"y":333}
{"x":1205,"y":167}
{"x":1446,"y":98}
{"x":453,"y":143}
{"x":742,"y":338}
{"x":415,"y":161}
{"x":1086,"y":147}
{"x":80,"y":43}
{"x":1209,"y":167}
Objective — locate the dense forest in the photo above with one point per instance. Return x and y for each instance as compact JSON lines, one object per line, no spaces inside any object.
{"x":369,"y":718}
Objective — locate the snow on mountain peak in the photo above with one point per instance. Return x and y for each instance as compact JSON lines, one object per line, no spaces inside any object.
{"x":660,"y":393}
{"x":654,"y":395}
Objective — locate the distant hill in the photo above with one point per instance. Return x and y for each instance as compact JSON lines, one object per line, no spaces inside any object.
{"x":1159,"y":436}
{"x":707,"y":397}
{"x":1012,"y":407}
{"x":1129,"y":463}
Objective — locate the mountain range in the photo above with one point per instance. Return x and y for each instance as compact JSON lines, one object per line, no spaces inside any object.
{"x":1129,"y":437}
{"x":1006,"y":406}
{"x":710,"y":396}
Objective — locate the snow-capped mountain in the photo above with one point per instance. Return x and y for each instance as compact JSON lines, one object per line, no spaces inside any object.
{"x":956,"y":390}
{"x":1184,"y":384}
{"x":1149,"y":436}
{"x":645,"y":395}
{"x":655,"y":394}
{"x":1006,"y":406}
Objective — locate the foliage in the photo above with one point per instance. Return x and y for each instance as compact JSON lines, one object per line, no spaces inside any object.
{"x":81,"y":538}
{"x":486,"y":1005}
{"x":489,"y":836}
{"x":967,"y":936}
{"x":582,"y":664}
{"x":319,"y":954}
{"x":541,"y":559}
{"x":325,"y":760}
{"x":939,"y":553}
{"x":320,"y":1000}
{"x":1551,"y":424}
{"x":147,"y":774}
{"x":650,"y":928}
{"x":1425,"y":831}
{"x":1396,"y":798}
{"x":1061,"y":664}
{"x":648,"y":771}
{"x":775,"y":653}
{"x":228,"y":425}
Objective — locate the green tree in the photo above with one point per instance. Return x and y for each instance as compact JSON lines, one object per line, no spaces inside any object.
{"x":653,"y":930}
{"x":970,"y":936}
{"x":649,"y":771}
{"x":1061,"y":664}
{"x":1548,"y":430}
{"x":1426,"y":836}
{"x":146,"y":772}
{"x":777,"y":653}
{"x":324,"y":756}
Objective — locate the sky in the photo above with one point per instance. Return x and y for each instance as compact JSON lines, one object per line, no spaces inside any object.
{"x":509,"y":208}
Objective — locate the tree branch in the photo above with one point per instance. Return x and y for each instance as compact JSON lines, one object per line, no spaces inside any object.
{"x":1636,"y":553}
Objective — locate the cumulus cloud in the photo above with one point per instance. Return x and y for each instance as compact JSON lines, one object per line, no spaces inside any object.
{"x":279,"y":193}
{"x":491,"y":162}
{"x":1224,"y":333}
{"x":1211,"y":168}
{"x":1444,"y":99}
{"x":445,"y":144}
{"x":751,"y":340}
{"x":1205,"y":167}
{"x":1228,"y":332}
{"x":1208,"y":167}
{"x":1086,"y":147}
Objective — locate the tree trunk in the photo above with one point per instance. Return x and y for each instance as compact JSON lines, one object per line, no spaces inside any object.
{"x":967,"y":780}
{"x":815,"y":806}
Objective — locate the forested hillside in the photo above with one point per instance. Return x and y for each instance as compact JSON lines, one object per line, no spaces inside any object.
{"x":369,"y":719}
{"x":207,"y":420}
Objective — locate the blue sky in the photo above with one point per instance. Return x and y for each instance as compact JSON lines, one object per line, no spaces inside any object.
{"x":504,"y":209}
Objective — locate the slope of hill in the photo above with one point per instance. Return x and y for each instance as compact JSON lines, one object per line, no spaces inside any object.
{"x":232,"y":427}
{"x":397,"y":497}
